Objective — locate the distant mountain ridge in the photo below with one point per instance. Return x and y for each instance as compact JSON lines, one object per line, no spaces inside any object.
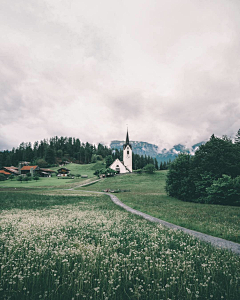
{"x":144,"y":148}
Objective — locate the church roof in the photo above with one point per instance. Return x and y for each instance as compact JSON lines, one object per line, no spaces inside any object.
{"x":127,"y":142}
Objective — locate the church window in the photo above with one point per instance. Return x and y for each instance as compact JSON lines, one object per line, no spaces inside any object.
{"x":128,"y":152}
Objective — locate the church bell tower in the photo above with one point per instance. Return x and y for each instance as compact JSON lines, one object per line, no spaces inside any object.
{"x":127,"y":154}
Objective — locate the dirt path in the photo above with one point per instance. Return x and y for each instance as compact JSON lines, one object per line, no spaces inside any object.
{"x":215,"y":241}
{"x":82,"y":185}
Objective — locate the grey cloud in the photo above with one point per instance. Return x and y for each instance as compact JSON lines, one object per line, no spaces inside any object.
{"x":168,"y":69}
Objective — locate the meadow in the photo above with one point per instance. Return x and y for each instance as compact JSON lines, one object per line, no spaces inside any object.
{"x":85,"y":247}
{"x":147,"y":194}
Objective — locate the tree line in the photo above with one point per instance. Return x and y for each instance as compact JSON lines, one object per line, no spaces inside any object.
{"x":212,"y":175}
{"x":54,"y":151}
{"x":58,"y":150}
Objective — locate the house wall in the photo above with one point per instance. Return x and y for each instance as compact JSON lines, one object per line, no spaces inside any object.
{"x":122,"y":168}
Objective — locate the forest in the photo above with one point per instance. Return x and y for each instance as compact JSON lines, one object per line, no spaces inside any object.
{"x":59,"y":150}
{"x":212,"y":175}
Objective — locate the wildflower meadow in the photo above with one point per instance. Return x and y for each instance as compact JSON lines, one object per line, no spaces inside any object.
{"x":85,"y":247}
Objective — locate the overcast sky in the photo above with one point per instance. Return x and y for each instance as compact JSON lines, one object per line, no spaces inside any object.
{"x":170,"y":69}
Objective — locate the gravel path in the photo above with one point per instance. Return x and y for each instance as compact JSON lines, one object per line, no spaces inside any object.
{"x":83,"y":184}
{"x":217,"y":242}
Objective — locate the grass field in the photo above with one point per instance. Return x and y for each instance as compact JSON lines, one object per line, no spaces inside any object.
{"x":85,"y":247}
{"x":148,"y":195}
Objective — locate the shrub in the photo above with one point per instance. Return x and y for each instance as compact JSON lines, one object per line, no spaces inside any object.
{"x":225,"y":191}
{"x":36,"y":177}
{"x":11,"y":177}
{"x":26,"y":178}
{"x":2,"y":177}
{"x":20,"y":178}
{"x":149,"y":168}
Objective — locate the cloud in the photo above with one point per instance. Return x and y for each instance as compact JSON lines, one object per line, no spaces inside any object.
{"x":168,"y":69}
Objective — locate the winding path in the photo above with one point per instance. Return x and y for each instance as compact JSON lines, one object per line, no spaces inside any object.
{"x":215,"y":241}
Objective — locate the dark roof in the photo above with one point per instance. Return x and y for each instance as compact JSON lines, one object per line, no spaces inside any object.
{"x":47,"y":170}
{"x":63,"y":169}
{"x":127,"y":142}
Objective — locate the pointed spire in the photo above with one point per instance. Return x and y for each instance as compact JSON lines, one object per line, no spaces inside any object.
{"x":127,"y":141}
{"x":127,"y":138}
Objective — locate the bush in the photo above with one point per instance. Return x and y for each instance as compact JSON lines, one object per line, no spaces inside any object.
{"x":36,"y":177}
{"x":2,"y":177}
{"x":149,"y":168}
{"x":20,"y":178}
{"x":26,"y":178}
{"x":11,"y":177}
{"x":225,"y":191}
{"x":96,"y":172}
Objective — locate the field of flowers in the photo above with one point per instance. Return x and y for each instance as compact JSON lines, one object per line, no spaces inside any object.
{"x":85,"y":247}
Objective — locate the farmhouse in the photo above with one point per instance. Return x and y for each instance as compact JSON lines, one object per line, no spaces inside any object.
{"x":29,"y":169}
{"x":63,"y":172}
{"x":45,"y":172}
{"x":125,"y":166}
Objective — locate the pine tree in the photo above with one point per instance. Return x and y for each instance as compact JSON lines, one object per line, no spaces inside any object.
{"x":237,"y":137}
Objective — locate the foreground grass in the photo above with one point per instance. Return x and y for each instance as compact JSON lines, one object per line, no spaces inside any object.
{"x":148,"y":195}
{"x":85,"y":247}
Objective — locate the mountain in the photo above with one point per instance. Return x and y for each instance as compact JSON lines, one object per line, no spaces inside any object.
{"x":144,"y":148}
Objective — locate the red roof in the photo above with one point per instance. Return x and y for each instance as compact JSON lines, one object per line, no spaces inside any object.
{"x":4,"y":172}
{"x":28,"y":168}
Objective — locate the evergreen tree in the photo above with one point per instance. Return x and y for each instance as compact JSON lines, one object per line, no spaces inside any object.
{"x":237,"y":137}
{"x":109,"y":161}
{"x":156,"y":164}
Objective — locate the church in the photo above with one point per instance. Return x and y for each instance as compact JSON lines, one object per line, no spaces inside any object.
{"x":125,"y":166}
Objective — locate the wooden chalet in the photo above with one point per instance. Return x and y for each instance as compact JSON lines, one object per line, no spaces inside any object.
{"x":63,"y":172}
{"x":45,"y":172}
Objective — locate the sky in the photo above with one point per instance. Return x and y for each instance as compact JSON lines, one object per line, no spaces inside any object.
{"x":169,"y":70}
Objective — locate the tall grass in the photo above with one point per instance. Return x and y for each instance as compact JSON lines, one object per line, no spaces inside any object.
{"x":91,"y":249}
{"x":148,"y":195}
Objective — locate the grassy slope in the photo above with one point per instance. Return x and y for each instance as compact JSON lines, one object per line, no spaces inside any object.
{"x":55,"y":181}
{"x":148,"y":195}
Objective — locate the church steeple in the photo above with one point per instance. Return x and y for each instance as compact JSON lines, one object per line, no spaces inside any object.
{"x":127,"y":138}
{"x":127,"y":142}
{"x":127,"y":154}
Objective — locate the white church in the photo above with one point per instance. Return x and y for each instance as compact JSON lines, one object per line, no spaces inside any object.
{"x":124,"y":166}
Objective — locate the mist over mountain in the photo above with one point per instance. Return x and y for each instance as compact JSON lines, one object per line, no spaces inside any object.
{"x":144,"y":148}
